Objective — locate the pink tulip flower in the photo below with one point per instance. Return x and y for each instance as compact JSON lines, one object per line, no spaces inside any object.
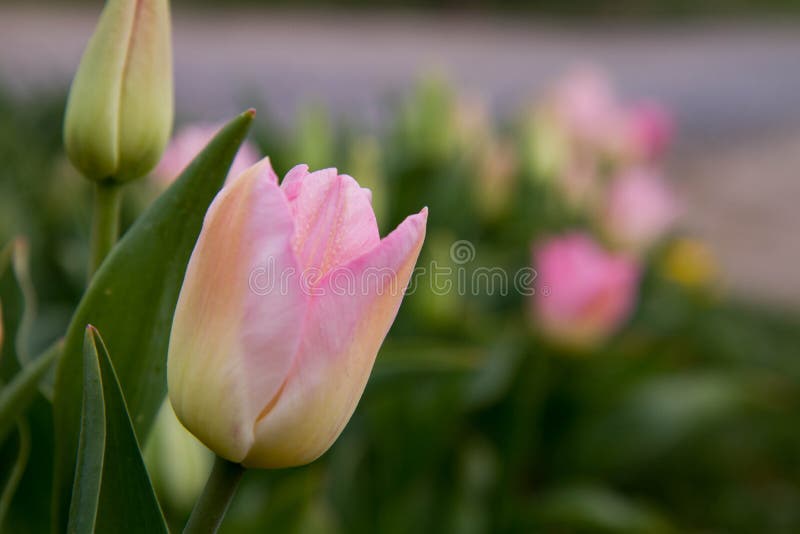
{"x":650,"y":130}
{"x":589,"y":111}
{"x":188,"y":142}
{"x":287,"y":298}
{"x":583,"y":293}
{"x":639,"y":209}
{"x":586,"y":103}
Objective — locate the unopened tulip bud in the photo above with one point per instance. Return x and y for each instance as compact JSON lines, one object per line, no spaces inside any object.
{"x":120,"y":107}
{"x":365,"y":159}
{"x":650,"y":128}
{"x":639,"y":209}
{"x":176,"y":461}
{"x":583,"y":293}
{"x":287,"y":298}
{"x":494,"y":184}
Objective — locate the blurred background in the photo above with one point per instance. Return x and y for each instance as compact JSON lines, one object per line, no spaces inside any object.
{"x":655,"y":138}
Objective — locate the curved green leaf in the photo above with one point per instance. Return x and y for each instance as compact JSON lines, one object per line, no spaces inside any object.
{"x":111,"y":490}
{"x":20,"y":262}
{"x":131,"y":299}
{"x":11,"y":484}
{"x":16,"y":396}
{"x":19,"y":301}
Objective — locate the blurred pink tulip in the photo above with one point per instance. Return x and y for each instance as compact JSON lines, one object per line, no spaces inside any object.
{"x":583,"y":293}
{"x":585,"y":106}
{"x":640,"y":208}
{"x":188,"y":142}
{"x":651,"y":128}
{"x":287,"y":298}
{"x":586,"y":103}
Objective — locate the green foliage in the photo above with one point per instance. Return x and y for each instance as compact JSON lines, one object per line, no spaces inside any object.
{"x":112,"y":489}
{"x":132,"y":298}
{"x":685,"y":421}
{"x":17,"y":395}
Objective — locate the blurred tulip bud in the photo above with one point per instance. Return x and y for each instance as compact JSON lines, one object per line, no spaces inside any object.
{"x":435,"y":300}
{"x":583,"y":293}
{"x":178,"y":464}
{"x":581,"y":184}
{"x":585,"y":101}
{"x":546,"y":146}
{"x":287,"y":298}
{"x":472,"y":122}
{"x":690,"y":263}
{"x":314,"y":135}
{"x":650,"y":128}
{"x":120,"y":106}
{"x":365,"y":161}
{"x":427,"y":121}
{"x":188,"y":142}
{"x":494,"y":183}
{"x":639,"y":210}
{"x":585,"y":109}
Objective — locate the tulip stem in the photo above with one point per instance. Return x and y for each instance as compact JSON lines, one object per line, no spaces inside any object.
{"x":105,"y":222}
{"x":210,"y":508}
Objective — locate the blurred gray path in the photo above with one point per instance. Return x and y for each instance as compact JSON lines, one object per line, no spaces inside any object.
{"x":734,"y":87}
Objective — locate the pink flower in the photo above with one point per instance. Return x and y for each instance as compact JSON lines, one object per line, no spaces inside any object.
{"x":583,"y":293}
{"x":287,"y":298}
{"x":586,"y":103}
{"x":188,"y":142}
{"x":587,"y":109}
{"x":650,"y":130}
{"x":639,"y":209}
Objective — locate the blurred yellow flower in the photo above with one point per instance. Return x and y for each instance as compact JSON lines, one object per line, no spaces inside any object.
{"x":690,"y":263}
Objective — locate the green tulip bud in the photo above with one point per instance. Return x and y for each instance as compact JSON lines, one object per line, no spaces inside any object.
{"x":120,"y":107}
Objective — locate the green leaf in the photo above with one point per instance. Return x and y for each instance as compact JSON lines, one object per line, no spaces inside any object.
{"x":588,"y":508}
{"x":19,"y":305}
{"x":20,"y":262}
{"x":92,"y":441}
{"x":425,"y":357}
{"x":23,"y":453}
{"x":16,"y":396}
{"x":132,"y":298}
{"x":658,"y":415}
{"x":111,"y":491}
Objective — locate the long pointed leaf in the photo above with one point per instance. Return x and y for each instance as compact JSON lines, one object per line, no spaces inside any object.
{"x":91,"y":444}
{"x":132,"y":298}
{"x":112,"y":491}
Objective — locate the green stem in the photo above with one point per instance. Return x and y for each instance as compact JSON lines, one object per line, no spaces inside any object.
{"x":105,"y":222}
{"x":210,"y":508}
{"x":18,"y":470}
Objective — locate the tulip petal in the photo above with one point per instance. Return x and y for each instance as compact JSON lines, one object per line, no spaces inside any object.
{"x":334,"y":220}
{"x":292,"y":180}
{"x":583,"y":292}
{"x":230,"y":350}
{"x":349,"y":316}
{"x":146,"y":98}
